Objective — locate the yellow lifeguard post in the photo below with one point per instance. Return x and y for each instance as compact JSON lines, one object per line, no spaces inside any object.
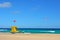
{"x":13,"y":29}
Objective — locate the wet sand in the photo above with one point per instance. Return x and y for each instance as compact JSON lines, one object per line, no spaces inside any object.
{"x":9,"y":36}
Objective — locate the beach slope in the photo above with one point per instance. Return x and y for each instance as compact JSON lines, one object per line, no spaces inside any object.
{"x":29,"y":36}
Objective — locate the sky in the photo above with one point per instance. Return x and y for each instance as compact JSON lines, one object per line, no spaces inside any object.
{"x":30,"y":13}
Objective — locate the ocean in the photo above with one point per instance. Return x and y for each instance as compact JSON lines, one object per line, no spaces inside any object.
{"x":33,"y":30}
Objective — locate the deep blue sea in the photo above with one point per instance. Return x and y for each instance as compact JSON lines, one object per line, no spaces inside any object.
{"x":33,"y":30}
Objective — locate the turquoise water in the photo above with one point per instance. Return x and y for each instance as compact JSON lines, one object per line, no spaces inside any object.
{"x":33,"y":30}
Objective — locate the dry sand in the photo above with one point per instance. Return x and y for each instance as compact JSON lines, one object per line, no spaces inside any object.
{"x":8,"y":36}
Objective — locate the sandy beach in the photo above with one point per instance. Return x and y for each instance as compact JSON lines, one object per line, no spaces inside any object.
{"x":9,"y":36}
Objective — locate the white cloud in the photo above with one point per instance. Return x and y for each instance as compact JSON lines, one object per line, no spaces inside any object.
{"x":35,"y":8}
{"x":5,"y":4}
{"x":16,"y":12}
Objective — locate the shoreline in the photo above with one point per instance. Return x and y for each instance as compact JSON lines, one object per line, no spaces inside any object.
{"x":21,"y":36}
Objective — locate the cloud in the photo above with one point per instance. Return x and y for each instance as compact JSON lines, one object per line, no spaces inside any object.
{"x":5,"y":4}
{"x":16,"y":12}
{"x":35,"y":8}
